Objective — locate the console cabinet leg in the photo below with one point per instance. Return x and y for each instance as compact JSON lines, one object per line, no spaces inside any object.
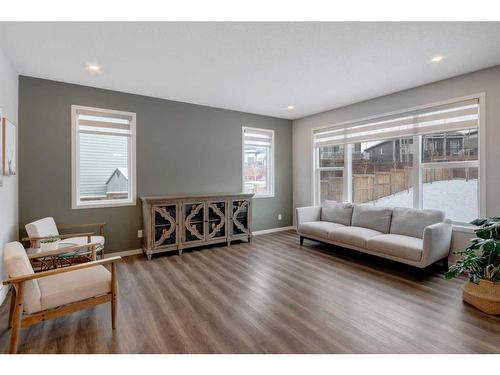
{"x":301,"y":240}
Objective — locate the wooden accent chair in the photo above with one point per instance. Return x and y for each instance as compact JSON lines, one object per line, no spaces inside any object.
{"x":37,"y":297}
{"x":46,"y":227}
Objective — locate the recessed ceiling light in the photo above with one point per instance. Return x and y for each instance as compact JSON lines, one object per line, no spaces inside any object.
{"x":437,"y":59}
{"x":290,"y":107}
{"x":93,"y":68}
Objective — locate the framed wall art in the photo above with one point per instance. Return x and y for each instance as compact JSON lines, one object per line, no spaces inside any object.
{"x":9,"y":135}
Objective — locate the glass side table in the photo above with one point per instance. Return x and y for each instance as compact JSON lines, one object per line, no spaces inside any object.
{"x":46,"y":260}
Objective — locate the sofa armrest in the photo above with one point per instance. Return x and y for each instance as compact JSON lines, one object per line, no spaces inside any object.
{"x":437,"y":241}
{"x":305,"y":214}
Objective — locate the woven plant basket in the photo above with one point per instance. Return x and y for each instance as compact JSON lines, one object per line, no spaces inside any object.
{"x":485,"y":296}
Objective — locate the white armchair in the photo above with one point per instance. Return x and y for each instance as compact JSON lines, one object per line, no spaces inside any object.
{"x":46,"y":227}
{"x":37,"y":297}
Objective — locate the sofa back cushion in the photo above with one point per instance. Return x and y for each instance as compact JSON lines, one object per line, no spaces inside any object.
{"x":412,"y":222}
{"x":335,"y":212}
{"x":371,"y":217}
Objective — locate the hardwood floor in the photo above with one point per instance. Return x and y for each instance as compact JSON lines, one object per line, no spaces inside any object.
{"x":271,"y":296}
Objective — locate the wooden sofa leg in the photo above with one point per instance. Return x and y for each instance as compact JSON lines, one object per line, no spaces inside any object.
{"x":114,"y":296}
{"x":301,"y":240}
{"x":16,"y":319}
{"x":12,"y":305}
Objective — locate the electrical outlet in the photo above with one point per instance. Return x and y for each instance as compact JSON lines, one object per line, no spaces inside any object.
{"x":279,"y":216}
{"x":139,"y":233}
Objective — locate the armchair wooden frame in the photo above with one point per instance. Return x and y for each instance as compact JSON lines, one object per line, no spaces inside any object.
{"x":17,"y":319}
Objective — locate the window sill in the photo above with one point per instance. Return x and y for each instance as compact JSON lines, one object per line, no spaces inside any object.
{"x":105,"y":204}
{"x":264,"y":196}
{"x":463,"y":228}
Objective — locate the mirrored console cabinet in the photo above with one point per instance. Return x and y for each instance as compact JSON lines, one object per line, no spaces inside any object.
{"x":178,"y":222}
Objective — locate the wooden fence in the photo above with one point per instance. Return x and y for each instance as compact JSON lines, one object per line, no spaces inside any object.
{"x":370,"y":187}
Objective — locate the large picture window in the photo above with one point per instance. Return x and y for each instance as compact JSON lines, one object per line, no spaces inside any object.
{"x":427,"y":158}
{"x":258,"y":161}
{"x":103,"y":153}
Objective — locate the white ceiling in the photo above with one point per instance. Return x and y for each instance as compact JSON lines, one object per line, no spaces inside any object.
{"x":253,"y":67}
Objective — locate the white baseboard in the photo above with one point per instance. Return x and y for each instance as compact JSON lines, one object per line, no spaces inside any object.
{"x":272,"y":230}
{"x":139,"y":251}
{"x":126,"y":253}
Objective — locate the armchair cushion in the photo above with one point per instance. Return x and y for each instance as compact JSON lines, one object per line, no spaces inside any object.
{"x":412,"y":222}
{"x":42,"y":228}
{"x":17,"y":264}
{"x":64,"y":288}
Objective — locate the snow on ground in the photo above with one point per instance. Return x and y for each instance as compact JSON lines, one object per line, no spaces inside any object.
{"x":457,"y":198}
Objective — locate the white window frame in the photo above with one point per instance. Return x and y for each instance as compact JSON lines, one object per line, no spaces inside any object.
{"x":417,"y":164}
{"x":75,"y":164}
{"x":270,"y":162}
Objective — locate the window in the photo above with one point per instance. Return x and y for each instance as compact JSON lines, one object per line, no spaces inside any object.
{"x":426,"y":158}
{"x":381,"y":172}
{"x":103,"y":157}
{"x":330,"y":172}
{"x":258,"y":161}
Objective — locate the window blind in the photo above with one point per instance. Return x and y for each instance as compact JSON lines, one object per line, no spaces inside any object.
{"x":93,"y":122}
{"x":451,"y":117}
{"x":258,"y":137}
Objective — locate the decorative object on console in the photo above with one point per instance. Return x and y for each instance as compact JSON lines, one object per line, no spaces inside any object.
{"x":483,"y":287}
{"x":9,"y":147}
{"x":179,"y":222}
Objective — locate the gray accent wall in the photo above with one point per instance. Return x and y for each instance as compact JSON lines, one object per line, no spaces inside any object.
{"x":181,"y":149}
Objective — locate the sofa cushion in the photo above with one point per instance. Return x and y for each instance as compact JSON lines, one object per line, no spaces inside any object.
{"x":356,"y":236}
{"x":64,"y":288}
{"x":318,"y":228}
{"x":405,"y":247}
{"x":336,"y":212}
{"x":371,"y":217}
{"x":412,"y":222}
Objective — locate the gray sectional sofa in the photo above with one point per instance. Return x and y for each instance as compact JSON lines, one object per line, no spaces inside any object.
{"x":415,"y":237}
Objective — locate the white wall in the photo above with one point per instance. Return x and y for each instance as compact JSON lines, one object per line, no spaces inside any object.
{"x":487,"y":81}
{"x":9,"y":190}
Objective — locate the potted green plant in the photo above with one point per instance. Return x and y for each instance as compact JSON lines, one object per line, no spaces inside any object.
{"x":481,"y":261}
{"x":49,"y":243}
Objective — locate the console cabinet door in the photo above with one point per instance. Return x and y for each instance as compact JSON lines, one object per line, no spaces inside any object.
{"x":193,"y":222}
{"x":216,"y":220}
{"x":164,"y":228}
{"x":240,"y":219}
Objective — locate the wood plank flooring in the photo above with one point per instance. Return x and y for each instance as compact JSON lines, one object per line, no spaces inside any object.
{"x":271,"y":296}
